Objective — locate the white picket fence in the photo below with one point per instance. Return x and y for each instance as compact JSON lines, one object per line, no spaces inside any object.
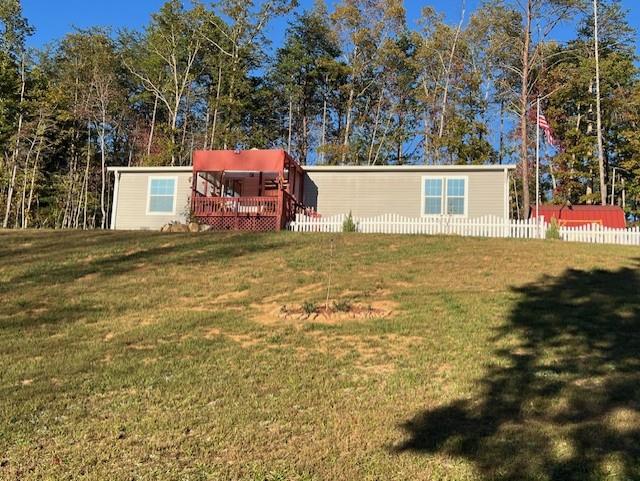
{"x":598,"y":234}
{"x":487,"y":226}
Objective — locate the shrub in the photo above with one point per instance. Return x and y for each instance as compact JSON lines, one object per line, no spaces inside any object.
{"x":342,"y":306}
{"x":309,"y":307}
{"x":553,"y":231}
{"x":349,"y":225}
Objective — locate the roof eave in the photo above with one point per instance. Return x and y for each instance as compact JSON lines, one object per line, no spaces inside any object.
{"x":406,"y":168}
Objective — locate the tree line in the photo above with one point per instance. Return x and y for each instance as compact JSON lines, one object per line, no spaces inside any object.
{"x":357,"y":83}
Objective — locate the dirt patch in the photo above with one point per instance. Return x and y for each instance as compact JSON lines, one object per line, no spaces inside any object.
{"x":141,"y":347}
{"x":245,"y":340}
{"x":107,"y":359}
{"x":378,"y":369}
{"x":88,"y":277}
{"x":271,"y":313}
{"x":212,"y":333}
{"x":38,"y":311}
{"x":230,"y":296}
{"x":374,"y":354}
{"x":275,"y":298}
{"x":309,"y":288}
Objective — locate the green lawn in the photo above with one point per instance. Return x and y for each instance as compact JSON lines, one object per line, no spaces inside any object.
{"x":148,"y":356}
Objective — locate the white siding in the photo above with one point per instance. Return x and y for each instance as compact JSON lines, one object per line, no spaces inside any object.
{"x":133,"y":194}
{"x":370,"y":193}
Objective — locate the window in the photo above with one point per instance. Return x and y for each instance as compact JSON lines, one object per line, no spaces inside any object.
{"x":444,"y":195}
{"x":162,"y":195}
{"x":455,"y":196}
{"x":433,"y":196}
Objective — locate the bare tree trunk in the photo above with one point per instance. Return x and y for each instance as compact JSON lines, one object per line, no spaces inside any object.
{"x":215,"y":110}
{"x":85,"y":184}
{"x":103,"y":164}
{"x":16,"y":149}
{"x":33,"y":180}
{"x":174,"y":125}
{"x":12,"y":183}
{"x":524,"y":107}
{"x":501,"y":148}
{"x":323,"y":137}
{"x":205,"y":144}
{"x":184,"y":127}
{"x":347,"y":127}
{"x":153,"y":126}
{"x":375,"y":127}
{"x":447,"y":81}
{"x":384,"y":138}
{"x":20,"y":215}
{"x":68,"y":205}
{"x":601,"y":160}
{"x":290,"y":123}
{"x":231,"y":96}
{"x":305,"y":134}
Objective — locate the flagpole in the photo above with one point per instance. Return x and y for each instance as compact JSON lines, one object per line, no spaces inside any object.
{"x":538,"y":158}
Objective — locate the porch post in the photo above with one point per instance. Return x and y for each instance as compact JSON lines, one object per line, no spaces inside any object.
{"x":194,"y":187}
{"x":280,"y":198}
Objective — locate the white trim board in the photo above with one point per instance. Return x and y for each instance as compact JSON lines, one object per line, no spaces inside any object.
{"x":160,"y":169}
{"x":408,"y":168}
{"x":345,"y":168}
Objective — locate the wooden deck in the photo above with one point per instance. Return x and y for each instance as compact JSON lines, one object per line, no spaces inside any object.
{"x":246,"y":213}
{"x":238,"y":213}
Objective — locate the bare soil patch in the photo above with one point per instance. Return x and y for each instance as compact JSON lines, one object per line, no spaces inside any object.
{"x":270,"y":313}
{"x":230,"y":296}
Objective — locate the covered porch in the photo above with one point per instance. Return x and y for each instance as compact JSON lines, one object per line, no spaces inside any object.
{"x":252,"y":190}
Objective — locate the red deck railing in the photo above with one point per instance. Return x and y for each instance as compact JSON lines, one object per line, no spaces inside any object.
{"x":233,"y":206}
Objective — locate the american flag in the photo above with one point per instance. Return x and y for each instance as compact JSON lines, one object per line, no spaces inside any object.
{"x":546,"y":127}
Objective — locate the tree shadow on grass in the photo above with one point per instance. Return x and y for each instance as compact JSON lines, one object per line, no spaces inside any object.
{"x":63,"y":259}
{"x":116,"y":254}
{"x":562,"y":400}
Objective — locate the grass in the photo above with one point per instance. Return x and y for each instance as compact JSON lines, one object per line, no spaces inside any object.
{"x":148,"y":356}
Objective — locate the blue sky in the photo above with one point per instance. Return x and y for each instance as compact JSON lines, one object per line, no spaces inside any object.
{"x":53,"y":18}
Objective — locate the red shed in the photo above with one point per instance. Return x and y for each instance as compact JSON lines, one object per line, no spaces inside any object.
{"x":578,"y":215}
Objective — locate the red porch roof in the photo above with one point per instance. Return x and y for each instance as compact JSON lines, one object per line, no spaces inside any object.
{"x":578,"y":215}
{"x":242,"y":160}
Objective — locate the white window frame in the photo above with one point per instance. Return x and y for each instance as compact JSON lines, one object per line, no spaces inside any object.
{"x":443,"y":200}
{"x":175,"y":193}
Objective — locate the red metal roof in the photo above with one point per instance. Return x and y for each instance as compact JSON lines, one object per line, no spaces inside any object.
{"x":240,"y":160}
{"x":578,"y":215}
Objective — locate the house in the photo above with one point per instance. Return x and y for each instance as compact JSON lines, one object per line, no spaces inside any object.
{"x":264,"y":189}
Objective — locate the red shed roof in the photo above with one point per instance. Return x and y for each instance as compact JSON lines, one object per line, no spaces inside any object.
{"x":240,"y":160}
{"x":577,"y":215}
